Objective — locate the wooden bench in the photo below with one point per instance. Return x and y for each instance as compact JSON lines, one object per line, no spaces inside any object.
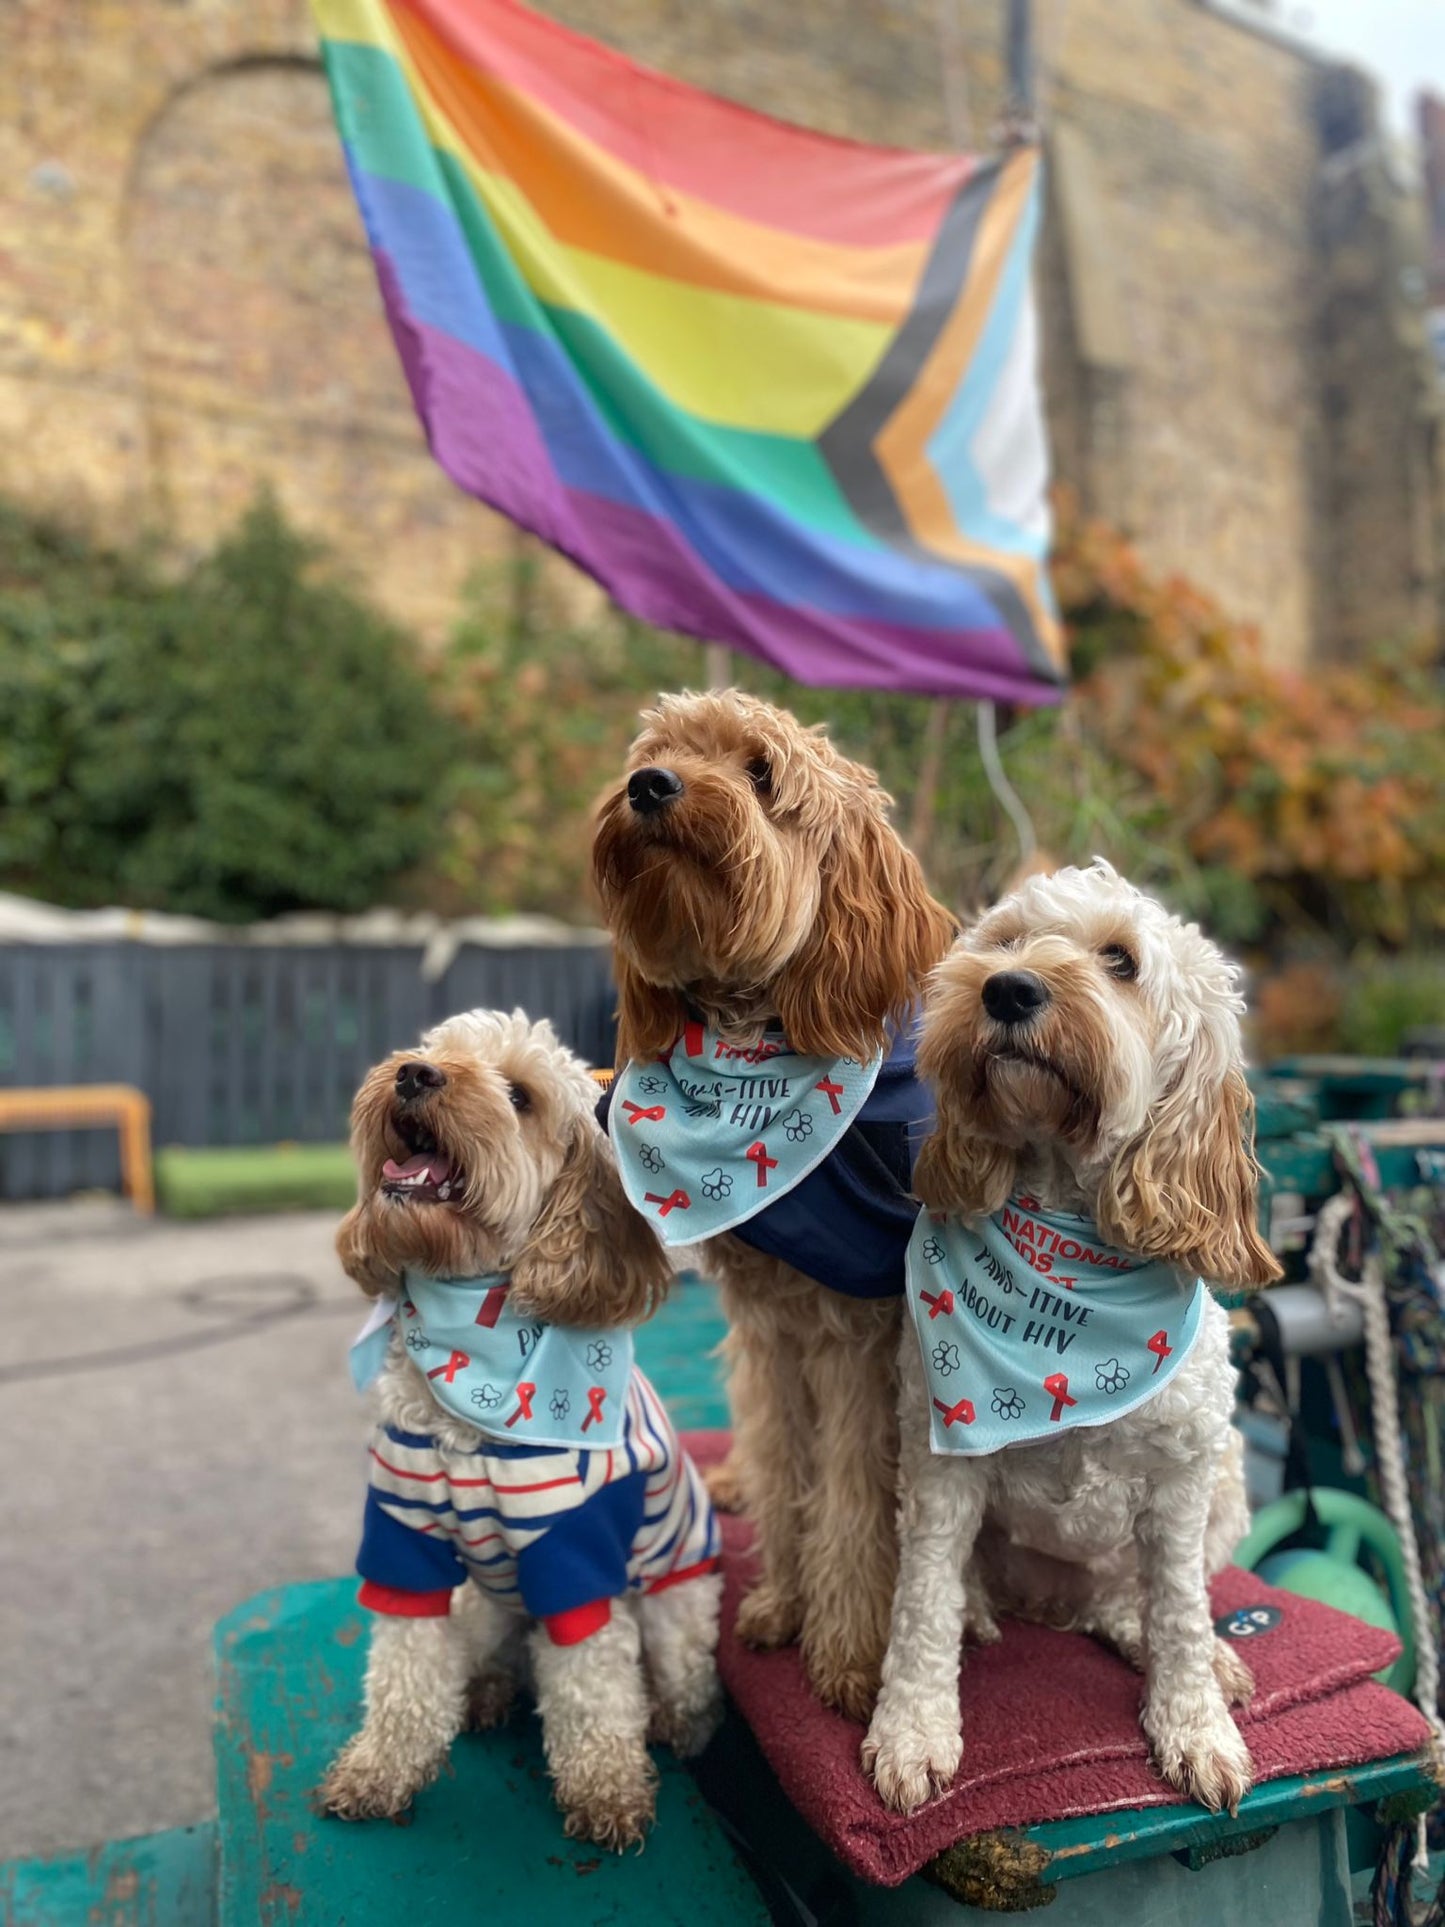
{"x":83,"y":1106}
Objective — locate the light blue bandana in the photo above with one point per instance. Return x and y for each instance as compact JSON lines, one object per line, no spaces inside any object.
{"x":1030,"y":1325}
{"x":712,"y":1134}
{"x":515,"y":1378}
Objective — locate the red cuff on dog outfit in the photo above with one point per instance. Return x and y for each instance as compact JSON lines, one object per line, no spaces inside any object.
{"x":578,"y":1622}
{"x":398,"y":1604}
{"x":677,"y":1578}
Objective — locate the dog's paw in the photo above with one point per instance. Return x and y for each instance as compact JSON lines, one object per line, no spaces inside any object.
{"x":849,"y":1686}
{"x":1205,"y":1759}
{"x":980,"y":1628}
{"x":687,"y":1729}
{"x":359,"y":1786}
{"x":725,"y":1485}
{"x":910,"y":1762}
{"x":767,"y":1620}
{"x":608,"y":1794}
{"x":490,"y":1699}
{"x":1236,"y":1682}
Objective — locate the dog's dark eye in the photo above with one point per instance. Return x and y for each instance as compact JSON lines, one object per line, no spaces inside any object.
{"x":521,"y":1097}
{"x":1119,"y":962}
{"x":760,"y":775}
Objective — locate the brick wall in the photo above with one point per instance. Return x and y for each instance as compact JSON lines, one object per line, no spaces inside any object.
{"x":187,"y":307}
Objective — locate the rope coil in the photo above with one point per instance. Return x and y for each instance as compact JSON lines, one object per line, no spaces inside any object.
{"x":1368,"y":1291}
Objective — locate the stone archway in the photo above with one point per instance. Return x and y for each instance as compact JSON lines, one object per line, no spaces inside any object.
{"x":263,"y":354}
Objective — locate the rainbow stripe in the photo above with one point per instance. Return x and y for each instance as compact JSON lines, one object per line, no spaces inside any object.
{"x":769,"y":388}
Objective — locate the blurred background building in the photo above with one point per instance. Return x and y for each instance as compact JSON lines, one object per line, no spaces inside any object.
{"x":1236,"y":281}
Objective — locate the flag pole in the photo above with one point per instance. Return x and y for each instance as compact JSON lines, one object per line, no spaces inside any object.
{"x":1019,"y":62}
{"x":1019,"y":124}
{"x":935,"y":729}
{"x":717,"y":665}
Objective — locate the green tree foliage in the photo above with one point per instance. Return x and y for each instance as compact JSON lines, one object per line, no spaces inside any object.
{"x":544,"y":714}
{"x":248,"y":740}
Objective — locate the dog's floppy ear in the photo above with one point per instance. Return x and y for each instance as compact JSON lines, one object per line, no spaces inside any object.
{"x":591,"y":1259}
{"x":959,"y":1171}
{"x":649,"y":1019}
{"x":358,"y":1261}
{"x":1186,"y":1189}
{"x":876,"y":936}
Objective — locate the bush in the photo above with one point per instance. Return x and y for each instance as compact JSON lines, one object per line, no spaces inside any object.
{"x":1285,"y":811}
{"x":254,"y":739}
{"x":1310,"y":805}
{"x":1388,"y":998}
{"x":543,"y":718}
{"x":249,"y":740}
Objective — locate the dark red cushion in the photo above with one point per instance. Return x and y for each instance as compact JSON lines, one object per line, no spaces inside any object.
{"x":1052,"y":1721}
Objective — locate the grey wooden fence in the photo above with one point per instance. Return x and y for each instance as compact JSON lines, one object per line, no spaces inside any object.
{"x":248,"y":1044}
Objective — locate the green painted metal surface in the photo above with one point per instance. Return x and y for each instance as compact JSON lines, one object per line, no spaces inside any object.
{"x":1281,"y":1112}
{"x":485,"y":1843}
{"x":1298,"y":1876}
{"x":1083,"y":1846}
{"x":677,"y":1350}
{"x":1306,"y":1163}
{"x":159,"y":1880}
{"x":1343,"y":1087}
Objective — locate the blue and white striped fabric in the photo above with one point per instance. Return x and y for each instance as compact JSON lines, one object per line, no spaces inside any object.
{"x":548,"y":1528}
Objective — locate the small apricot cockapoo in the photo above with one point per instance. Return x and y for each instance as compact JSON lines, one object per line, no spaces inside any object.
{"x":1067,"y":1391}
{"x":529,"y":1503}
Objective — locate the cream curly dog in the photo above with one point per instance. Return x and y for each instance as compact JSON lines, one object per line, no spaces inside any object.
{"x":1084,"y":1047}
{"x":529,"y":1504}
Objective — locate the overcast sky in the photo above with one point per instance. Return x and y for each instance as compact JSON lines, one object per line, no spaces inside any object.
{"x":1403,"y":41}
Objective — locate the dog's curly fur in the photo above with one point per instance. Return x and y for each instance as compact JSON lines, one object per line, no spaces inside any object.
{"x":538,"y":1197}
{"x":1123,"y":1097}
{"x":774,"y":889}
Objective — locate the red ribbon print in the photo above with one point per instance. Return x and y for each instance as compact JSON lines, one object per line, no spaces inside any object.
{"x":832,"y":1092}
{"x":1161,"y":1348}
{"x":963,"y":1410}
{"x":643,"y":1113}
{"x":1057,"y":1387}
{"x":759,"y":1154}
{"x":596,"y":1398}
{"x":492,"y":1303}
{"x":942,"y":1304}
{"x":453,"y":1365}
{"x":679,"y":1201}
{"x":525,"y":1394}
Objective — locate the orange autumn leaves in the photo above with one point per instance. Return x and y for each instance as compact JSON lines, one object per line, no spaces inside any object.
{"x":1323,"y":788}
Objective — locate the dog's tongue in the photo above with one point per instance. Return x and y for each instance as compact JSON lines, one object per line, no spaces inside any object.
{"x":427,"y":1167}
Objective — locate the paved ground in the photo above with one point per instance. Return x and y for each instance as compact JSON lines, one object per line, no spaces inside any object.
{"x":177,"y":1430}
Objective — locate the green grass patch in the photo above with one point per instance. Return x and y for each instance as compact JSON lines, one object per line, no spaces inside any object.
{"x":269,"y":1177}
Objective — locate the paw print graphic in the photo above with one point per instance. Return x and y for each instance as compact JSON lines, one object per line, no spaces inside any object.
{"x":1110,"y":1376}
{"x":932,"y":1251}
{"x":945,"y":1358}
{"x":599,"y":1355}
{"x":1007,"y":1403}
{"x":416,"y":1341}
{"x":798,"y":1126}
{"x":561,"y":1405}
{"x":650,"y":1157}
{"x":716,"y":1184}
{"x":487,"y":1396}
{"x":652,"y":1086}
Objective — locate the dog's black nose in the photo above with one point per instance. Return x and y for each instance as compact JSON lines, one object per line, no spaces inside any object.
{"x":413,"y":1079}
{"x":1013,"y":996}
{"x":649,"y":790}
